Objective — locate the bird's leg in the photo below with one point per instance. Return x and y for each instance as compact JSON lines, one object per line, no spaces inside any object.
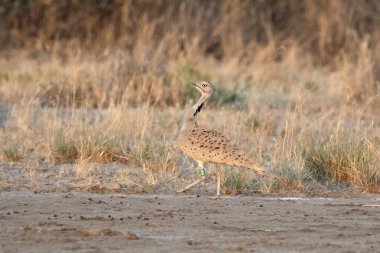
{"x":202,"y":174}
{"x":218,"y":175}
{"x":218,"y":181}
{"x":218,"y":178}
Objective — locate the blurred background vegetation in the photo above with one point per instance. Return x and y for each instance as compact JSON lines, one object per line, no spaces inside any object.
{"x":328,"y":30}
{"x":339,"y":35}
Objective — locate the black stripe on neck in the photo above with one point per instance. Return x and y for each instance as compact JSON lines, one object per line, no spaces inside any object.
{"x":198,"y":109}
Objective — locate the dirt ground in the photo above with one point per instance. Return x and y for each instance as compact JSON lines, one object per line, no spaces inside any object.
{"x":89,"y":222}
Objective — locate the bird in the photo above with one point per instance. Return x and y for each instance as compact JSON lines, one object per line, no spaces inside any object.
{"x":206,"y":145}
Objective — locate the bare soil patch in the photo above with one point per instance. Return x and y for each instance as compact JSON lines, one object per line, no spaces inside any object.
{"x":89,"y":222}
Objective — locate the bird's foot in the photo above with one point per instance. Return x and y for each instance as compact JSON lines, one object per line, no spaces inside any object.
{"x":216,"y":197}
{"x":191,"y":185}
{"x":181,"y":190}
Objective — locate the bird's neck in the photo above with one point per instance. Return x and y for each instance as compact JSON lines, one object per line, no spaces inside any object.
{"x":191,"y":117}
{"x":189,"y":121}
{"x":200,"y":103}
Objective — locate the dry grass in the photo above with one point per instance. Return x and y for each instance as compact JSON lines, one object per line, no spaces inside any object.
{"x":10,"y":154}
{"x":236,"y":181}
{"x":343,"y":161}
{"x":85,"y":85}
{"x":97,"y":149}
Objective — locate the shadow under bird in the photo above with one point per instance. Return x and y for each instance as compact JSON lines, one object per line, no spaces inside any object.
{"x":209,"y":146}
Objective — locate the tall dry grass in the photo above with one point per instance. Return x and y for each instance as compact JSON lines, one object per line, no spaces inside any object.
{"x":88,"y":83}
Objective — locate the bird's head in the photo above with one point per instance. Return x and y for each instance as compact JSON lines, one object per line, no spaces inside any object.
{"x":204,"y":87}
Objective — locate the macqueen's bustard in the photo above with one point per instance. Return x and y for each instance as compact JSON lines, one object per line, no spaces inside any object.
{"x":209,"y":146}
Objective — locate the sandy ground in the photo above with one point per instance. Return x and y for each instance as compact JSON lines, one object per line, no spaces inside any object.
{"x":89,"y":222}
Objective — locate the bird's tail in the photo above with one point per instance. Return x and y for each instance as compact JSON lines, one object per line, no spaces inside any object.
{"x":254,"y":166}
{"x":248,"y":163}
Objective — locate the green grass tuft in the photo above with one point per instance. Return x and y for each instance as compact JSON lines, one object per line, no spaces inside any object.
{"x":284,"y":178}
{"x":236,"y":181}
{"x":11,"y":154}
{"x":342,"y":161}
{"x":156,"y":158}
{"x":288,"y":178}
{"x":100,"y":150}
{"x":65,"y":150}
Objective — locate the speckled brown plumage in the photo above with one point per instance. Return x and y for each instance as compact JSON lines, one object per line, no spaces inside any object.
{"x":210,"y":146}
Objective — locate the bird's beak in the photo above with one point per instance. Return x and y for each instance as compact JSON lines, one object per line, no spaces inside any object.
{"x":196,"y":86}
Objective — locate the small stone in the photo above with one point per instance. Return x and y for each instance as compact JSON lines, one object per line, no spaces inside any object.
{"x":191,"y":242}
{"x":132,"y":236}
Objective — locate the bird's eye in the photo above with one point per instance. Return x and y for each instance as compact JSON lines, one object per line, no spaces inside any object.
{"x":204,"y":85}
